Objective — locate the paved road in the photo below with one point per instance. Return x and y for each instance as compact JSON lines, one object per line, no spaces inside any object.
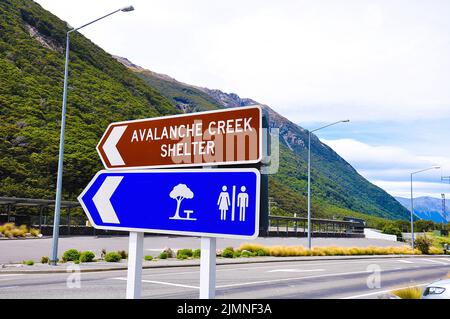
{"x":13,"y":251}
{"x":304,"y":279}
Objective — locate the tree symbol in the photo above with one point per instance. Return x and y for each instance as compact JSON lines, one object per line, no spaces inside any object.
{"x":180,"y":192}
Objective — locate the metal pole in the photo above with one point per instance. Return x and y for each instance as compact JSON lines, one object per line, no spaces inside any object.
{"x":309,"y":190}
{"x":134,"y":272}
{"x":54,"y":257}
{"x":208,"y":268}
{"x":412,"y":215}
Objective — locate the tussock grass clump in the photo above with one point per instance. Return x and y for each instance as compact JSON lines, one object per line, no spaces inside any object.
{"x":435,"y":251}
{"x":294,"y":251}
{"x":408,"y":293}
{"x":10,"y":230}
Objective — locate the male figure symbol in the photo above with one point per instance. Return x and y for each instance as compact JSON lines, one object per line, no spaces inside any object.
{"x":242,"y":203}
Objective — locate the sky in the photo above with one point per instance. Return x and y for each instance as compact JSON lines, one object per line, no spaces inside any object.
{"x":382,"y":64}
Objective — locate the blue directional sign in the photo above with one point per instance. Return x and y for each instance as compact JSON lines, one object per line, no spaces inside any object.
{"x":208,"y":202}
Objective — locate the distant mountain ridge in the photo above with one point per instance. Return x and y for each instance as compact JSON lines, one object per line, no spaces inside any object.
{"x":428,"y":208}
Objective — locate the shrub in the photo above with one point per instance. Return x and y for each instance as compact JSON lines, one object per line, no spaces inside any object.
{"x":251,"y":247}
{"x":17,"y":232}
{"x":181,"y":253}
{"x":408,"y":293}
{"x":169,"y":252}
{"x":196,"y":253}
{"x":391,"y":229}
{"x":436,"y":251}
{"x":236,"y":254}
{"x":71,"y":255}
{"x":423,"y":243}
{"x":228,"y":252}
{"x":35,"y":232}
{"x":28,"y":262}
{"x":44,"y":260}
{"x":113,"y":257}
{"x":8,"y":226}
{"x":87,"y":256}
{"x":260,"y":252}
{"x":246,"y":253}
{"x":148,"y":257}
{"x":163,"y":255}
{"x":123,"y":254}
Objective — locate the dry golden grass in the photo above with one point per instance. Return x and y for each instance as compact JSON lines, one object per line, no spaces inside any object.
{"x":287,"y":251}
{"x":435,"y":251}
{"x":11,"y":230}
{"x":408,"y":293}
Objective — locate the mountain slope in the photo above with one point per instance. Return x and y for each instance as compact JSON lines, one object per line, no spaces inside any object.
{"x":428,"y":208}
{"x":334,"y":181}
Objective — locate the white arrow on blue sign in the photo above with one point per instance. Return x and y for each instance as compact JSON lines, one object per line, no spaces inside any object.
{"x":211,"y":203}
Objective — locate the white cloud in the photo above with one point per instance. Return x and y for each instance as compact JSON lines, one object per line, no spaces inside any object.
{"x":310,"y":60}
{"x":390,"y":167}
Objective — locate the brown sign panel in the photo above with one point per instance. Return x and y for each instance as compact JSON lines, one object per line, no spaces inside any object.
{"x":231,"y":136}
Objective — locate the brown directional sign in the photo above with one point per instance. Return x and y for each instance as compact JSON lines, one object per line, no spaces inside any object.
{"x":231,"y":136}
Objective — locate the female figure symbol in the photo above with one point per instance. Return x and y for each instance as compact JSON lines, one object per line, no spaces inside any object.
{"x":223,"y":203}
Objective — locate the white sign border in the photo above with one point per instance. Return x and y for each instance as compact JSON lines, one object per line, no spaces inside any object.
{"x":174,"y":232}
{"x":186,"y":164}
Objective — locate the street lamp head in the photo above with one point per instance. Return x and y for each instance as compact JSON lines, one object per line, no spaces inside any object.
{"x":436,"y":167}
{"x":345,"y":121}
{"x":127,"y":9}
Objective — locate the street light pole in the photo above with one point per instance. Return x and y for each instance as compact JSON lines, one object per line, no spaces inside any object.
{"x":309,"y":176}
{"x":412,"y":202}
{"x":56,"y":219}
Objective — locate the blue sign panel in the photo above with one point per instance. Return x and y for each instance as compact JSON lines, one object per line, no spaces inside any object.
{"x":211,"y":202}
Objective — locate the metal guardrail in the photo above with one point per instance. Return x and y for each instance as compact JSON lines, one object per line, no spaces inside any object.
{"x":297,"y":227}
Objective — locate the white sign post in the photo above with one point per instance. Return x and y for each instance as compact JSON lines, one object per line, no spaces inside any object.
{"x":134,"y":272}
{"x":208,"y":268}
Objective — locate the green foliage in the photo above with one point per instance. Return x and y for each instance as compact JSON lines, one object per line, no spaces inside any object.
{"x":196,"y":253}
{"x":148,"y":257}
{"x":423,"y":243}
{"x":44,"y":260}
{"x":87,"y":257}
{"x":184,"y":253}
{"x":163,"y":255}
{"x":71,"y":255}
{"x":236,"y":254}
{"x":423,"y":225}
{"x":123,"y":254}
{"x":246,"y":254}
{"x":28,"y":262}
{"x":228,"y":252}
{"x":113,"y":257}
{"x":391,"y":229}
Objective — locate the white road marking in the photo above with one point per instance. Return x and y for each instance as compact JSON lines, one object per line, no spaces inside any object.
{"x":379,"y":292}
{"x":162,"y":283}
{"x":296,"y":278}
{"x":10,"y":287}
{"x":10,"y":275}
{"x":295,"y":270}
{"x":405,"y":261}
{"x":435,"y":261}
